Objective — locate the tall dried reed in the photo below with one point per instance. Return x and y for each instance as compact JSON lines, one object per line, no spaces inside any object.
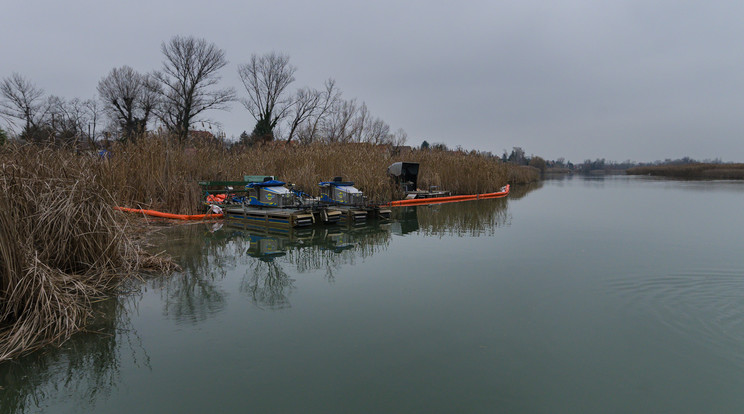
{"x":62,"y":247}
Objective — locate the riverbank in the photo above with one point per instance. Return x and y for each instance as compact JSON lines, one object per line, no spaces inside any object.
{"x":703,"y":171}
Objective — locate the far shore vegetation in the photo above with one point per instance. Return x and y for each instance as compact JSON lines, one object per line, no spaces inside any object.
{"x":696,"y":170}
{"x":684,"y":168}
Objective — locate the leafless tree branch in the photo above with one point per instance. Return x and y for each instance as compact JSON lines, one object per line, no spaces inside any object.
{"x":186,"y":80}
{"x":265,"y":78}
{"x":22,"y":101}
{"x":129,"y":99}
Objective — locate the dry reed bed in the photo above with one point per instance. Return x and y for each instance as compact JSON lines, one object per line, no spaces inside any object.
{"x":62,"y":247}
{"x":156,"y":173}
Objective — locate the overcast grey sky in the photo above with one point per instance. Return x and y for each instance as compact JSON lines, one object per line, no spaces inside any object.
{"x":636,"y":79}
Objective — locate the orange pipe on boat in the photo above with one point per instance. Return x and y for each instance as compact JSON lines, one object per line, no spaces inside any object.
{"x":497,"y":194}
{"x":451,"y":199}
{"x":169,"y":215}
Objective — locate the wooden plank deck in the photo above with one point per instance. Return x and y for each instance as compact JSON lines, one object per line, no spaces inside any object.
{"x":270,"y":217}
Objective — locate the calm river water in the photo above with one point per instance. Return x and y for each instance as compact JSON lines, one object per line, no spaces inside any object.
{"x":609,"y":295}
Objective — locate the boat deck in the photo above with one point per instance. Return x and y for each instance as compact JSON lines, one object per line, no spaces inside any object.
{"x":279,"y":217}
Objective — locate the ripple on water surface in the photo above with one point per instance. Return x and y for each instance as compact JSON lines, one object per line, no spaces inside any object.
{"x":704,"y":306}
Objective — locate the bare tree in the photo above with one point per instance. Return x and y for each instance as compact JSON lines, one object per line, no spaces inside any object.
{"x":346,"y":121}
{"x":129,"y":99}
{"x":339,"y":125}
{"x":64,"y":119}
{"x":376,"y":131}
{"x":360,"y":123}
{"x":328,"y":100}
{"x":304,"y":105}
{"x":68,"y":120}
{"x":188,"y":75}
{"x":399,"y":138}
{"x":23,"y":102}
{"x":265,"y":78}
{"x":95,"y":110}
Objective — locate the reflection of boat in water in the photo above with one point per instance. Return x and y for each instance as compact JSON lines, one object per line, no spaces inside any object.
{"x":267,"y":243}
{"x":406,"y":221}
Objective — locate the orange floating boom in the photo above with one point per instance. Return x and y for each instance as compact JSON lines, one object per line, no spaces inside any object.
{"x":451,"y":199}
{"x":169,"y":215}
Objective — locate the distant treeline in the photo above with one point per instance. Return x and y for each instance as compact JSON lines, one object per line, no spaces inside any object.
{"x":685,"y":163}
{"x":681,"y":167}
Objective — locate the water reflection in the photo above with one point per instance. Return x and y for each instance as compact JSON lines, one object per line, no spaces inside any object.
{"x":86,"y":368}
{"x":268,"y":285}
{"x":470,"y":218}
{"x":642,"y":311}
{"x":194,"y":294}
{"x":518,"y":192}
{"x":340,"y":246}
{"x":324,"y":249}
{"x":209,"y":252}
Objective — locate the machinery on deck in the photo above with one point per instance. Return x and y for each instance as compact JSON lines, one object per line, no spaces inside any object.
{"x":341,"y":192}
{"x":270,"y":193}
{"x":343,"y":197}
{"x":405,"y":176}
